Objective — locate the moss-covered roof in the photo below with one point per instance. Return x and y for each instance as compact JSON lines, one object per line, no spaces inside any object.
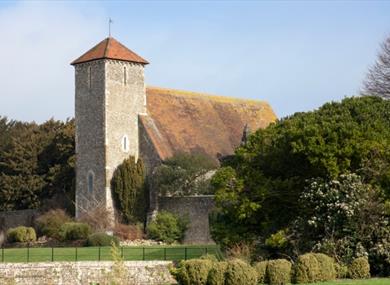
{"x":182,"y":121}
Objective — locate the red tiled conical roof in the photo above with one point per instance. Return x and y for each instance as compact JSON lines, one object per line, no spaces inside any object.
{"x":110,"y":48}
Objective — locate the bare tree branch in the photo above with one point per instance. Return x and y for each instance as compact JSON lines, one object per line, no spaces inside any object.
{"x":377,"y":82}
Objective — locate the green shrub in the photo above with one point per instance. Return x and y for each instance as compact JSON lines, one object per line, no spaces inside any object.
{"x":21,"y":234}
{"x":278,"y":272}
{"x":239,"y":272}
{"x":74,"y":231}
{"x":101,"y":239}
{"x":306,"y":269}
{"x":359,"y":268}
{"x":167,"y":227}
{"x":327,"y":267}
{"x":49,"y":224}
{"x":341,"y":271}
{"x":217,"y":273}
{"x":193,"y":272}
{"x":210,"y":257}
{"x":261,"y":270}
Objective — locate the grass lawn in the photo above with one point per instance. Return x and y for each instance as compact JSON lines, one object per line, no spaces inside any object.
{"x":372,"y":281}
{"x":103,"y":253}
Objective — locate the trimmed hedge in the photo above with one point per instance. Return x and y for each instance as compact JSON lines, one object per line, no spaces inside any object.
{"x":193,"y":272}
{"x":306,"y":269}
{"x":327,"y":267}
{"x":21,"y":234}
{"x":74,"y":231}
{"x":278,"y":272}
{"x":217,"y":274}
{"x":239,"y":272}
{"x":359,"y":268}
{"x":101,"y":239}
{"x":261,"y":270}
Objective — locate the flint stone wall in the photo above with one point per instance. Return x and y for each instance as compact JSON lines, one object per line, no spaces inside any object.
{"x":81,"y":273}
{"x":13,"y":219}
{"x":197,"y":209}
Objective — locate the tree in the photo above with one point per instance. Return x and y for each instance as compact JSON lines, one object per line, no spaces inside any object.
{"x":36,"y":163}
{"x":378,"y":78}
{"x":258,"y":190}
{"x":184,"y":174}
{"x":128,"y":184}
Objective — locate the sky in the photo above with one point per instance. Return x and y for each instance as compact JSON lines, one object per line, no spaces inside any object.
{"x":297,"y":55}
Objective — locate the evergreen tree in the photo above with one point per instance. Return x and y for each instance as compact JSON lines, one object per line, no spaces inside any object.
{"x":128,"y":184}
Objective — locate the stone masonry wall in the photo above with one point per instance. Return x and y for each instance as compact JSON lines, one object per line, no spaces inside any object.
{"x":125,"y":100}
{"x":90,"y":118}
{"x":81,"y":273}
{"x":13,"y":219}
{"x":197,"y":208}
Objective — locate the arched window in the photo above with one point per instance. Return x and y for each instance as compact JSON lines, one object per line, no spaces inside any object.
{"x":90,"y":181}
{"x":125,"y":143}
{"x":124,"y":75}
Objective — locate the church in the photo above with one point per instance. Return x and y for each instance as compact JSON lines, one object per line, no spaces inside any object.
{"x":118,"y":115}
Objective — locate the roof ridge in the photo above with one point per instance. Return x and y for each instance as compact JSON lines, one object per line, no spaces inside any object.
{"x":106,"y":48}
{"x":180,"y":92}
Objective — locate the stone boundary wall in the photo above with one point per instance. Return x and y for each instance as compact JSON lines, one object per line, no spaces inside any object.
{"x":197,"y":209}
{"x":13,"y":219}
{"x":84,"y":272}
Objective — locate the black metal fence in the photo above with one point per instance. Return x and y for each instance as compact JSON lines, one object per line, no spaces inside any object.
{"x":47,"y":254}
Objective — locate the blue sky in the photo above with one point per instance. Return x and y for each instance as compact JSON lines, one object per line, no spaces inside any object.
{"x":295,"y":55}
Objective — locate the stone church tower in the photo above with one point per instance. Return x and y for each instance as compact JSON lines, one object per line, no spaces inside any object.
{"x":110,"y":96}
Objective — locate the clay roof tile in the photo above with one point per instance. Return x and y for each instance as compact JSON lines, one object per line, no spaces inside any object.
{"x":110,"y":48}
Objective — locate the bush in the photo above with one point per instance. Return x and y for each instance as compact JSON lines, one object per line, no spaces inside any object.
{"x":129,"y":232}
{"x":74,"y":231}
{"x":167,"y":227}
{"x":49,"y":223}
{"x":327,"y":267}
{"x":21,"y":234}
{"x":101,"y":239}
{"x":261,"y":270}
{"x":242,"y":250}
{"x":217,"y":273}
{"x":210,"y":257}
{"x":306,"y":269}
{"x":341,"y":271}
{"x":359,"y":268}
{"x":239,"y":272}
{"x":193,"y":272}
{"x":278,"y":272}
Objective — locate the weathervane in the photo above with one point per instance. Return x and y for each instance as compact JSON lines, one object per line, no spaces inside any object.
{"x":109,"y":26}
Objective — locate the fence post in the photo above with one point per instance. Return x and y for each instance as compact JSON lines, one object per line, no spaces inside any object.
{"x":52,"y":254}
{"x":185,"y":253}
{"x":99,"y":253}
{"x":76,"y":254}
{"x":122,"y":252}
{"x":206,"y":250}
{"x":2,"y":254}
{"x":143,"y":253}
{"x":28,"y":252}
{"x":165,"y":253}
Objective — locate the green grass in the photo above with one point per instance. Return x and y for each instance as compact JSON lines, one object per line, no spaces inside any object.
{"x":93,"y":254}
{"x":372,"y":281}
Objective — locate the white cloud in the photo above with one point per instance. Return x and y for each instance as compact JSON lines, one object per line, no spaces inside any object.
{"x":37,"y":43}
